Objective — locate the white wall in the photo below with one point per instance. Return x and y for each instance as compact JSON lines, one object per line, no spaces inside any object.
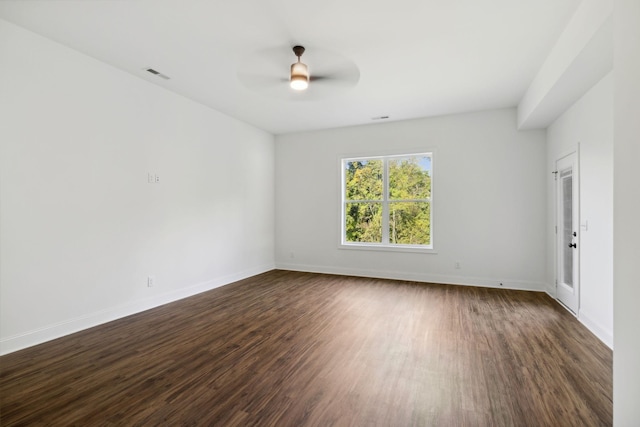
{"x":626,"y":369}
{"x":81,"y":228}
{"x":489,"y":200}
{"x":589,"y":123}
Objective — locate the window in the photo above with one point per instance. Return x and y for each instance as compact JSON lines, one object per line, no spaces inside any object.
{"x":386,"y":201}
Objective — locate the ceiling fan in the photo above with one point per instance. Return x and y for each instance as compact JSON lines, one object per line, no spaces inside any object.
{"x":328,"y":73}
{"x":299,"y":71}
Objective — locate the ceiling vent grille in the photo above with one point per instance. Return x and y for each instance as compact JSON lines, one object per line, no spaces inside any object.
{"x":157,"y":73}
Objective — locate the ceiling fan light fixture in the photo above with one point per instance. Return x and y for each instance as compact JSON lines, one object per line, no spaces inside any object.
{"x":299,"y":76}
{"x":299,"y":72}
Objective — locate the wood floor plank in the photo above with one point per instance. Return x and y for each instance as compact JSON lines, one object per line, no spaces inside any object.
{"x":299,"y":349}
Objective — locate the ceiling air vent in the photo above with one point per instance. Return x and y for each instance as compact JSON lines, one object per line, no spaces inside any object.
{"x":157,"y":73}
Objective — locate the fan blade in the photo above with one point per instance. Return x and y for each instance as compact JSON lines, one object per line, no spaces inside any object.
{"x":345,"y":77}
{"x":327,"y":78}
{"x":345,"y":72}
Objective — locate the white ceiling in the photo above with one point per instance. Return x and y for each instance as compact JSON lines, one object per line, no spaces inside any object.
{"x":416,"y":58}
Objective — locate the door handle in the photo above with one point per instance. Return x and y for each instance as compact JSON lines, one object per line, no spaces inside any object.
{"x":573,"y":245}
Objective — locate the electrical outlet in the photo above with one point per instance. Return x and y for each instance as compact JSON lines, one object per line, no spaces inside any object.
{"x":456,"y":265}
{"x":157,"y":178}
{"x":151,"y":178}
{"x":151,"y":281}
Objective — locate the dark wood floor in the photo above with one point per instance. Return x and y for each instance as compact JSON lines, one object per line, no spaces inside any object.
{"x":297,"y":349}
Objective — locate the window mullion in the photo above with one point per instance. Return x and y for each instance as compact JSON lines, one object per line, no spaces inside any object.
{"x":385,"y":202}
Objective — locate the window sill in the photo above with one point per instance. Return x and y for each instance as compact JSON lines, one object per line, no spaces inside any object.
{"x":387,"y":248}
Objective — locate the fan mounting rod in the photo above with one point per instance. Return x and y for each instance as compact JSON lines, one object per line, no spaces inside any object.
{"x":299,"y":72}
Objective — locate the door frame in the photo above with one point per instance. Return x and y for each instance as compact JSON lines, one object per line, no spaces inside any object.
{"x":569,"y":299}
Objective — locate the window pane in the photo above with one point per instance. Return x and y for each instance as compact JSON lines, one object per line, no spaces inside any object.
{"x":410,"y":223}
{"x":363,"y":222}
{"x":410,"y":178}
{"x":363,"y":180}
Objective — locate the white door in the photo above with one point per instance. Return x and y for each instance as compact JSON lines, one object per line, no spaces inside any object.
{"x":567,"y":232}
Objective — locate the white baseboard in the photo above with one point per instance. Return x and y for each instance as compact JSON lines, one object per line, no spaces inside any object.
{"x":604,"y":334}
{"x":51,"y":332}
{"x":551,"y":290}
{"x":418,"y":277}
{"x":57,"y":330}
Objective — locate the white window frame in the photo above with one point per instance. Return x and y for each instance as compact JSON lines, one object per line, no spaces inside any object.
{"x":384,"y":245}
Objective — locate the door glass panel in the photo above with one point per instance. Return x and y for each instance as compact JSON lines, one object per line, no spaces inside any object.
{"x":567,"y":226}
